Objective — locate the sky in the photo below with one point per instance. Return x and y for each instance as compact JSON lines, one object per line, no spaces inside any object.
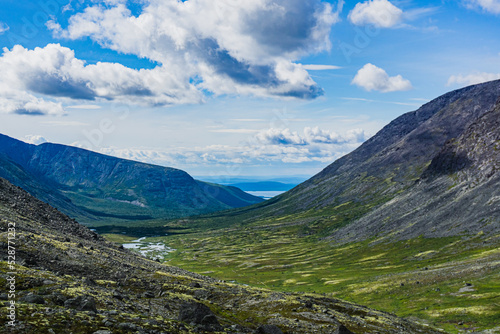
{"x":232,"y":88}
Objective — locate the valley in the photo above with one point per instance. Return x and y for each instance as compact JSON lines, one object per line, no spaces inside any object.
{"x":407,"y":224}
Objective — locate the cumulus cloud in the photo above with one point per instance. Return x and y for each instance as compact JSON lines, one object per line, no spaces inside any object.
{"x":34,"y":139}
{"x":379,"y":13}
{"x":492,"y":6}
{"x":280,"y":137}
{"x":371,"y":77}
{"x":270,"y":145}
{"x":54,"y":71}
{"x":472,"y":79}
{"x":311,"y":135}
{"x":240,"y":47}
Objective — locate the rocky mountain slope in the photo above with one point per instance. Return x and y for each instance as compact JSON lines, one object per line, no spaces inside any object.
{"x":458,"y":194}
{"x":389,"y":184}
{"x":93,"y":187}
{"x":70,"y":280}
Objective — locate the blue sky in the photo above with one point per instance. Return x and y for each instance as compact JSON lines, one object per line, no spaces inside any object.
{"x":233,"y":88}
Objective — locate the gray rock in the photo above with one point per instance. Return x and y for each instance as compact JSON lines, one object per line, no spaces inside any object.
{"x":81,"y":303}
{"x":148,"y":294}
{"x":199,"y":314}
{"x":32,"y":299}
{"x":268,"y":329}
{"x":128,"y":326}
{"x":195,"y":285}
{"x":342,"y":330}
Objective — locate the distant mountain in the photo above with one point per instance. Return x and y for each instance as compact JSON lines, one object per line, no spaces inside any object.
{"x":92,"y":187}
{"x":432,"y":172}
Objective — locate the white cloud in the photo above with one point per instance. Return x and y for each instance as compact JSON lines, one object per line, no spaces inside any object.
{"x":3,"y":27}
{"x":54,"y":71}
{"x":84,"y":106}
{"x":268,"y":146}
{"x":225,"y":47}
{"x":34,"y":139}
{"x":472,"y":79}
{"x":371,"y":77}
{"x":274,"y":136}
{"x":22,"y":103}
{"x":380,"y":13}
{"x":492,"y":6}
{"x":311,"y":135}
{"x":314,"y":67}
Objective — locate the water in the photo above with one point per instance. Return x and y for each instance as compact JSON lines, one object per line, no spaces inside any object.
{"x":265,"y":194}
{"x":156,"y":250}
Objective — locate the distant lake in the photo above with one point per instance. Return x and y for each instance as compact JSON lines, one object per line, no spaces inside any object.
{"x":266,"y":194}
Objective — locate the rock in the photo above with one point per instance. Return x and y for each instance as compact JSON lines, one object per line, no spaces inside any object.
{"x":103,"y":332}
{"x":268,"y":329}
{"x":342,"y":330}
{"x":210,"y":319}
{"x":148,"y":294}
{"x":202,"y":294}
{"x":32,"y":299}
{"x":195,"y":285}
{"x":81,"y":303}
{"x":128,"y":326}
{"x":199,"y":314}
{"x":58,"y":298}
{"x":117,"y":295}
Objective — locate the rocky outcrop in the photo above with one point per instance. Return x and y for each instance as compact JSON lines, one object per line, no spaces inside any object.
{"x":459,"y":192}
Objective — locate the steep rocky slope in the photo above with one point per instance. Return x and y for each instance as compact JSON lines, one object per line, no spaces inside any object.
{"x":380,"y":186}
{"x":69,"y":280}
{"x":396,"y":156}
{"x":459,"y":193}
{"x":93,"y":187}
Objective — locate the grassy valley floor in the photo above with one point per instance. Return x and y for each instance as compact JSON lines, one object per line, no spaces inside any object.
{"x":449,"y":283}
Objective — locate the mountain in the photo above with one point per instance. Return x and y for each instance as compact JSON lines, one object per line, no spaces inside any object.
{"x":408,"y":223}
{"x":458,"y":193}
{"x":404,"y":172}
{"x":93,"y":187}
{"x":68,"y":279}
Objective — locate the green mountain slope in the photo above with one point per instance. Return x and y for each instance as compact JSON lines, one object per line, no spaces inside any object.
{"x":92,"y":187}
{"x":70,"y":280}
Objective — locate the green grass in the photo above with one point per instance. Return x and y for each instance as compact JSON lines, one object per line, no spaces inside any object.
{"x":418,"y":279}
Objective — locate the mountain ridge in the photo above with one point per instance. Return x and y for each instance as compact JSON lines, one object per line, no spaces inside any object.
{"x":89,"y":185}
{"x":381,"y":169}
